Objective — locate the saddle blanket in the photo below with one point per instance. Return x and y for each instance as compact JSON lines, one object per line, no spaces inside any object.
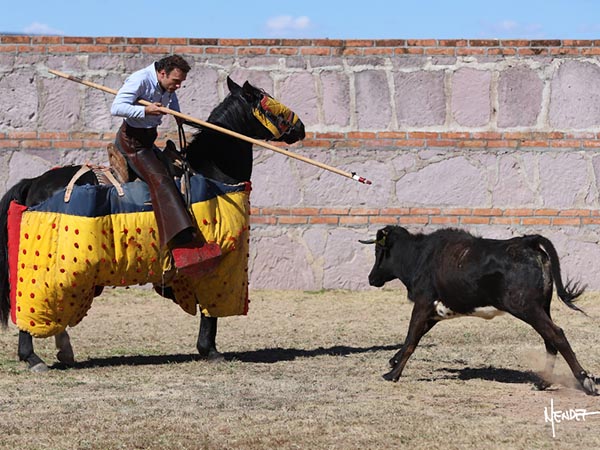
{"x":60,"y":252}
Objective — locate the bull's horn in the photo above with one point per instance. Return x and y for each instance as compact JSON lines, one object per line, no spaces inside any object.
{"x":370,"y":241}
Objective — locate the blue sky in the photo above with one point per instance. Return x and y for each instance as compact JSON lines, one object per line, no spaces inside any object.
{"x":364,"y":19}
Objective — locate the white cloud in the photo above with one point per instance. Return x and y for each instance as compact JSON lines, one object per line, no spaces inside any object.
{"x":41,"y":28}
{"x":507,"y":25}
{"x":510,"y":29}
{"x":286,"y":25}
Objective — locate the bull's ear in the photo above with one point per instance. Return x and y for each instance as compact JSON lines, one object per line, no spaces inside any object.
{"x":381,"y":237}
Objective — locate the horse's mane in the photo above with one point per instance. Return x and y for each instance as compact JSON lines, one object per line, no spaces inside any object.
{"x":233,"y":113}
{"x":219,"y":156}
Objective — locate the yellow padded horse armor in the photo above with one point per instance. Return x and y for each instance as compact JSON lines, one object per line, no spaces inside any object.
{"x":59,"y":252}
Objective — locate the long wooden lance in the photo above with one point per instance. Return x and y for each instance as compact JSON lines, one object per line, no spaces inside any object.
{"x":165,"y":110}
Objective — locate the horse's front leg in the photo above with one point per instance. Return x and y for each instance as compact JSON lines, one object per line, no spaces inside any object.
{"x":65,"y":351}
{"x":26,"y":353}
{"x":207,"y":339}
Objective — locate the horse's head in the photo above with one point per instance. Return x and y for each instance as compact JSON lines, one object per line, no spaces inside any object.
{"x":251,"y":112}
{"x":280,"y":123}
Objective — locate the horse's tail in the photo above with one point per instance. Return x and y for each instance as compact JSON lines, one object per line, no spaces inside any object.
{"x":17,"y":193}
{"x":566,"y":292}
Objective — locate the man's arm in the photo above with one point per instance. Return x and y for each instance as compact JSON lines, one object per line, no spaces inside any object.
{"x":124,"y":103}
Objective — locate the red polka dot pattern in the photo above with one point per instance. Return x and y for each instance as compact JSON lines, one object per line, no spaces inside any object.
{"x":62,"y":259}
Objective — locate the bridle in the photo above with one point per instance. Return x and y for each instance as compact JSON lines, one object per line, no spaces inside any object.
{"x":276,"y":117}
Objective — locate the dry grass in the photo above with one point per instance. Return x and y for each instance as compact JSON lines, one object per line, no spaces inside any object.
{"x":303,"y":370}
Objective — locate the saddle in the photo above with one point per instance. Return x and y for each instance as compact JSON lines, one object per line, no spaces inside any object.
{"x":169,"y":156}
{"x":118,"y":171}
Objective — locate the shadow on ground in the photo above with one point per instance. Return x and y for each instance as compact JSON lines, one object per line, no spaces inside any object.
{"x":511,"y":376}
{"x":490,"y":373}
{"x":265,"y":356}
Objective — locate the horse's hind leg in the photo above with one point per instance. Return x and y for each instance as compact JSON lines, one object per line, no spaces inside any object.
{"x":65,"y":351}
{"x":27,"y":354}
{"x":207,"y":336}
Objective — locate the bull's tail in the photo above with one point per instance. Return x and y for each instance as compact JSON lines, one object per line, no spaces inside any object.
{"x":17,"y":193}
{"x":566,"y":292}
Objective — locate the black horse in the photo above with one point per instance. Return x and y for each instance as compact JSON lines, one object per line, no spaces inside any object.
{"x":246,"y":110}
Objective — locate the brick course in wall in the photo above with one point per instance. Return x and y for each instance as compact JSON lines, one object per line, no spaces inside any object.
{"x":500,"y":137}
{"x":293,"y":47}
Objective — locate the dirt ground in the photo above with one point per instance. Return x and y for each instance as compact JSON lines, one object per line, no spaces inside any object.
{"x":302,"y":371}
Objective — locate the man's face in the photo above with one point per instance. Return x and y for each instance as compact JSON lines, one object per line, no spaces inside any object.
{"x":172,"y":81}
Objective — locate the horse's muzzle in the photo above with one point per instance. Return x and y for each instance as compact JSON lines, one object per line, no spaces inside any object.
{"x":294,"y":133}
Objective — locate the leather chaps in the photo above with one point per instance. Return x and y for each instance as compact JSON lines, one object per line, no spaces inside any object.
{"x":172,"y":216}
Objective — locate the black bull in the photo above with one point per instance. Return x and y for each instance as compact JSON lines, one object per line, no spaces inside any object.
{"x":450,"y":272}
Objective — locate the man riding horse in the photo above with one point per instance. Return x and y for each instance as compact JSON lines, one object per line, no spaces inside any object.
{"x":135,"y":139}
{"x":61,"y":252}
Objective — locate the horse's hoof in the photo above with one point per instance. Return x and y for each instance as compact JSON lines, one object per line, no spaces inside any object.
{"x":39,"y":368}
{"x":212,"y":355}
{"x":66,"y":359}
{"x":215,"y":356}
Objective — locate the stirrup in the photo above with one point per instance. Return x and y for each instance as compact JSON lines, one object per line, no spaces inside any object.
{"x":194,"y":261}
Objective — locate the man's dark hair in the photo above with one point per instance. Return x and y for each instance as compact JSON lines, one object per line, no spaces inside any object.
{"x":169,"y":63}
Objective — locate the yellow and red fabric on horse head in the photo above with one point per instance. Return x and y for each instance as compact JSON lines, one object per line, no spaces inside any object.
{"x":275,"y":116}
{"x":59,"y":252}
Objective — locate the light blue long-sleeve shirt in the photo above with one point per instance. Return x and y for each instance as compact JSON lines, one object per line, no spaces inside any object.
{"x":144,"y":85}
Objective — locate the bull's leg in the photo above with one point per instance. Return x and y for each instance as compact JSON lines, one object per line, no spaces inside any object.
{"x":545,"y":380}
{"x":555,"y":336}
{"x":420,"y":323}
{"x":207,"y":337}
{"x":65,"y":351}
{"x":551,"y":351}
{"x":27,"y":354}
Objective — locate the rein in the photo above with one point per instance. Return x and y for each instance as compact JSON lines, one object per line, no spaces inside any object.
{"x":185,"y":178}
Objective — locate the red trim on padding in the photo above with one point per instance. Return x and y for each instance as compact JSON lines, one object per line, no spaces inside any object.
{"x":15,"y":213}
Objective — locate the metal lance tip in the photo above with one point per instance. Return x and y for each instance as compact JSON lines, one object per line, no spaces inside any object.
{"x":360,"y":179}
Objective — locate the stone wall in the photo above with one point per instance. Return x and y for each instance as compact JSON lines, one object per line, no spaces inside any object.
{"x":497,"y":137}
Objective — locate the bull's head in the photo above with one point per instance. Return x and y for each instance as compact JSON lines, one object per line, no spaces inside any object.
{"x":379,"y":274}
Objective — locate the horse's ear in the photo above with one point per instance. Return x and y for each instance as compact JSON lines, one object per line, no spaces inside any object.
{"x":234,"y":88}
{"x":250,"y":91}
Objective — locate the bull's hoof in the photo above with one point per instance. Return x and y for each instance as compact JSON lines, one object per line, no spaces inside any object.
{"x":541,"y":385}
{"x":589,"y":386}
{"x":392,"y":362}
{"x":390,"y":377}
{"x":39,"y":368}
{"x":212,"y":355}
